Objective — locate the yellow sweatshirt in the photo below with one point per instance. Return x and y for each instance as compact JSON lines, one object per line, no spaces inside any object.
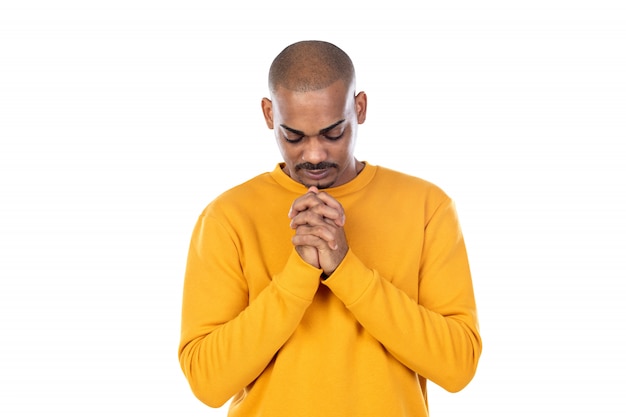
{"x":259,"y":325}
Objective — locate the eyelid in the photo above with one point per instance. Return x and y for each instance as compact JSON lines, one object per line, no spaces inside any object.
{"x":336,"y":137}
{"x":296,"y":140}
{"x":326,"y":136}
{"x":286,"y":132}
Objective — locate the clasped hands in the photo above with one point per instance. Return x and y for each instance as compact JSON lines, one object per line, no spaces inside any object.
{"x":318,"y":220}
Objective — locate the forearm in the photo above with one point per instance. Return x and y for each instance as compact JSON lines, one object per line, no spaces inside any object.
{"x":220,"y":357}
{"x":441,"y":346}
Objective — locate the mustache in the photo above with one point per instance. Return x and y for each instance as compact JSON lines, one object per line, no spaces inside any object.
{"x":314,"y":167}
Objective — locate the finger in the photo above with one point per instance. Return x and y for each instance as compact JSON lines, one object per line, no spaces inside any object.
{"x":330,"y":201}
{"x":303,"y":203}
{"x":313,"y":241}
{"x":324,"y":235}
{"x":314,"y":217}
{"x":312,"y":203}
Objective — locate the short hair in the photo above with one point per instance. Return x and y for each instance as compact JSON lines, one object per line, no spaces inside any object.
{"x":310,"y":65}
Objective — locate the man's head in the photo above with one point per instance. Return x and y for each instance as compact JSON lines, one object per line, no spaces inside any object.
{"x":314,"y":113}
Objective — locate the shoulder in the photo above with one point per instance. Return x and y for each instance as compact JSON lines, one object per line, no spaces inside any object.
{"x":242,"y":196}
{"x":409,"y":193}
{"x":409,"y":184}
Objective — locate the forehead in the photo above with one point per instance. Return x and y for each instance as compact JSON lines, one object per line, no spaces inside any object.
{"x":325,"y":106}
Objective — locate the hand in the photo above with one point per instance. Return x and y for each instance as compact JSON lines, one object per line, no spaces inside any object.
{"x":320,"y":239}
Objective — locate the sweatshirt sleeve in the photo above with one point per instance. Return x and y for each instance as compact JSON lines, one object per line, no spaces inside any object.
{"x":226,"y":340}
{"x":436,"y":335}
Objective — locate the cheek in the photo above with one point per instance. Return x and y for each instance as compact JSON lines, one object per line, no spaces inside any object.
{"x":281,"y":146}
{"x":289,"y":153}
{"x":344,"y":151}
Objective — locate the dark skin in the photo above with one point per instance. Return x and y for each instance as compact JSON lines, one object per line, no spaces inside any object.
{"x":316,"y":134}
{"x":318,"y":220}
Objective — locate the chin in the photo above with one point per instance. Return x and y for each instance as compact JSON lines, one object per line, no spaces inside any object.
{"x":321,"y":186}
{"x":324,"y":186}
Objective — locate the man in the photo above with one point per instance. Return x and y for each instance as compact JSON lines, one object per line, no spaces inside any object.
{"x":329,"y":286}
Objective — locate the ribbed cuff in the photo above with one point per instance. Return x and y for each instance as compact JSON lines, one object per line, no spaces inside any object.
{"x":299,"y":278}
{"x":350,"y":280}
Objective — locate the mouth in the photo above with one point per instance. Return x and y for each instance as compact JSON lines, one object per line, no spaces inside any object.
{"x":316,"y":174}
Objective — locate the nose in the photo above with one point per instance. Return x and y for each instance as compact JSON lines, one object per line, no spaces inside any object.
{"x":314,"y":150}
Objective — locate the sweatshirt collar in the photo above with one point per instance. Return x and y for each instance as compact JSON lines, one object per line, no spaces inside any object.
{"x":360,"y":181}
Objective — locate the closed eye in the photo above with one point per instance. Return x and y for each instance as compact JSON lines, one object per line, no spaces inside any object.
{"x":292,"y":140}
{"x":337,"y":137}
{"x":325,"y":133}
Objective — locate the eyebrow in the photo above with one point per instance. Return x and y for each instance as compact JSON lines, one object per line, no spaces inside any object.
{"x":321,"y":132}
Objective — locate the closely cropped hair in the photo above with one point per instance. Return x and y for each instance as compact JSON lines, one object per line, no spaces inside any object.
{"x":310,"y":65}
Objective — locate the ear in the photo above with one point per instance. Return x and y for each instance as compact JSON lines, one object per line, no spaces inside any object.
{"x":268,"y":114}
{"x":360,"y":105}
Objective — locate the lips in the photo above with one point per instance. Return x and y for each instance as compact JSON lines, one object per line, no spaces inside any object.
{"x":316,"y":174}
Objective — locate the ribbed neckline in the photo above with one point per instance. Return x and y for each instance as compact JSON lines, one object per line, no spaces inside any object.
{"x":361,"y":180}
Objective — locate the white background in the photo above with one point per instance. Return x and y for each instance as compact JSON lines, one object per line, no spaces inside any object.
{"x":121,"y":120}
